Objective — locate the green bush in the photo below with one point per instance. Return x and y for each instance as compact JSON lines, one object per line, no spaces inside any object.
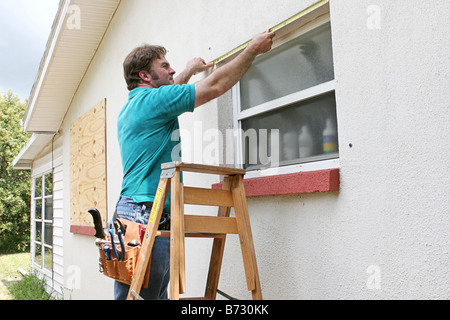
{"x":30,"y":288}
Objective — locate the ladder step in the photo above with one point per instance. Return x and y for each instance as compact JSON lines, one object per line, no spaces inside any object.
{"x":193,"y":235}
{"x":208,"y":197}
{"x":208,"y":224}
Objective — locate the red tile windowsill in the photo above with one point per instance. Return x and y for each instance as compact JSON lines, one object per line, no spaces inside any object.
{"x":293,"y":183}
{"x":85,"y":230}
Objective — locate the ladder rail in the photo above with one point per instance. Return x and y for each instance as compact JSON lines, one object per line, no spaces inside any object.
{"x":143,"y":261}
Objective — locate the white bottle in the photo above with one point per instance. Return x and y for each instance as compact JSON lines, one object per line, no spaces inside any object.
{"x":330,"y":144}
{"x":290,"y":144}
{"x":305,"y":142}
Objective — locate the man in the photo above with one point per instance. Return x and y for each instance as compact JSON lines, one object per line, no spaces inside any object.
{"x":145,"y":127}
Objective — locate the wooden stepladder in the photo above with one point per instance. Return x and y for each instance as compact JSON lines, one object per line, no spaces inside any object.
{"x":181,"y":226}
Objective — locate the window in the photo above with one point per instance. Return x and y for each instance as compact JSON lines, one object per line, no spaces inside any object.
{"x":284,"y":106}
{"x":42,"y":222}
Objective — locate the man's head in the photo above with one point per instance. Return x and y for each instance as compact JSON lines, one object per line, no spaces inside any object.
{"x":147,"y":65}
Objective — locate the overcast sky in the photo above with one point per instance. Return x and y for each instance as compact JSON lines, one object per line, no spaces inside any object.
{"x":24,"y":29}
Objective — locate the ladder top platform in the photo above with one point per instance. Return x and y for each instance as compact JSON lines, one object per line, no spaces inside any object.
{"x":202,"y":168}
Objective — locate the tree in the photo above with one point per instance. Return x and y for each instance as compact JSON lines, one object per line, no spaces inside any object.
{"x":15,"y":185}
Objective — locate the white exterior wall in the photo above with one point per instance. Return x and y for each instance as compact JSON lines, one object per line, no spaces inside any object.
{"x":392,"y":104}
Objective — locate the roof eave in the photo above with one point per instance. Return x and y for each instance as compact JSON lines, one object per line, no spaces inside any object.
{"x":57,"y":81}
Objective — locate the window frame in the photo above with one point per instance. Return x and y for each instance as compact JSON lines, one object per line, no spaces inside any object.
{"x":314,"y":163}
{"x":41,"y":265}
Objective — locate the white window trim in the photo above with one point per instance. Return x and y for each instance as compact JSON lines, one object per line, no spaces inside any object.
{"x":284,"y":101}
{"x":294,"y":168}
{"x":296,"y":97}
{"x":40,"y":267}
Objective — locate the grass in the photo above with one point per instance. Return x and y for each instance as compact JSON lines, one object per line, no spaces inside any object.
{"x":14,"y":286}
{"x":9,"y":274}
{"x":30,"y":288}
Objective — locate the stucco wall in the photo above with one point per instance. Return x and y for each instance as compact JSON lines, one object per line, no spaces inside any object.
{"x":390,"y":219}
{"x":393,"y":107}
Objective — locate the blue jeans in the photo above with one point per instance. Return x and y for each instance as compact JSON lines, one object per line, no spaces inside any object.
{"x":160,"y":263}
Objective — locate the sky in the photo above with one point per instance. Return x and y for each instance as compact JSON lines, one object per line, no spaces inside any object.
{"x":24,"y":29}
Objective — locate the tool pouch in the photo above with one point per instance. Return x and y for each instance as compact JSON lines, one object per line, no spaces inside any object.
{"x":123,"y":271}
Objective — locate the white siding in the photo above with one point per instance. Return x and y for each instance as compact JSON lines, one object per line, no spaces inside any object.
{"x":58,"y":213}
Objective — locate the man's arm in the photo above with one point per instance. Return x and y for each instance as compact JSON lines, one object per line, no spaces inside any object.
{"x":193,"y":67}
{"x":225,"y":77}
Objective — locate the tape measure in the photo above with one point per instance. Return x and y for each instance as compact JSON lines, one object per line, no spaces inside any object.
{"x":274,"y":29}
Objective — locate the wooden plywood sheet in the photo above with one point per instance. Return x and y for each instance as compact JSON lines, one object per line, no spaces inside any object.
{"x":88,"y":168}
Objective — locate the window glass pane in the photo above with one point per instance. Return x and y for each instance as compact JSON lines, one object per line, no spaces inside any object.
{"x":48,"y":208}
{"x":38,"y":210}
{"x":38,"y":230}
{"x":49,"y":184}
{"x":48,"y":234}
{"x":296,"y":65}
{"x":38,"y":187}
{"x":38,"y":254}
{"x":306,"y":130}
{"x":48,"y":258}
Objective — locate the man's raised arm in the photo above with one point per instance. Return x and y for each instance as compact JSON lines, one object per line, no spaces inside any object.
{"x":225,"y":77}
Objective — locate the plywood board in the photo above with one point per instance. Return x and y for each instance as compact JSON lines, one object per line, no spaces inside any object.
{"x":88,"y":168}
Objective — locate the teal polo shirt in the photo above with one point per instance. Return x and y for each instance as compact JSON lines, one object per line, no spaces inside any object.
{"x":144,"y":128}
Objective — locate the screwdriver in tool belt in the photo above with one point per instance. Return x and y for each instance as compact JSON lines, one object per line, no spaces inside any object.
{"x":107,"y":251}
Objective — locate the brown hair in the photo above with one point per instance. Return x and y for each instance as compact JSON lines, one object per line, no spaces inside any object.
{"x":140,"y":59}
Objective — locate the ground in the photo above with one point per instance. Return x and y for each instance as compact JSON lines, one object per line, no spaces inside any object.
{"x":9,"y":264}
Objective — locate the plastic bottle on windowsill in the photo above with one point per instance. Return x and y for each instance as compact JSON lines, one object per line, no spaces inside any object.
{"x":305,"y":142}
{"x":330,"y":137}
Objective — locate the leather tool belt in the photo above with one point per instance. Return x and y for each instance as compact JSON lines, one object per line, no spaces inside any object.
{"x":119,"y":262}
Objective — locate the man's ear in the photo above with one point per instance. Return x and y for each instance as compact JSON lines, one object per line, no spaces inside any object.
{"x":145,"y":76}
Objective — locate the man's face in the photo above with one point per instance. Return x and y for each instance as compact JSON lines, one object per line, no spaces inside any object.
{"x":161,"y":72}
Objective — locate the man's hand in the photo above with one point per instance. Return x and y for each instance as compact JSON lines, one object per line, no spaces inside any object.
{"x":193,"y":67}
{"x":198,"y":65}
{"x":261,"y":43}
